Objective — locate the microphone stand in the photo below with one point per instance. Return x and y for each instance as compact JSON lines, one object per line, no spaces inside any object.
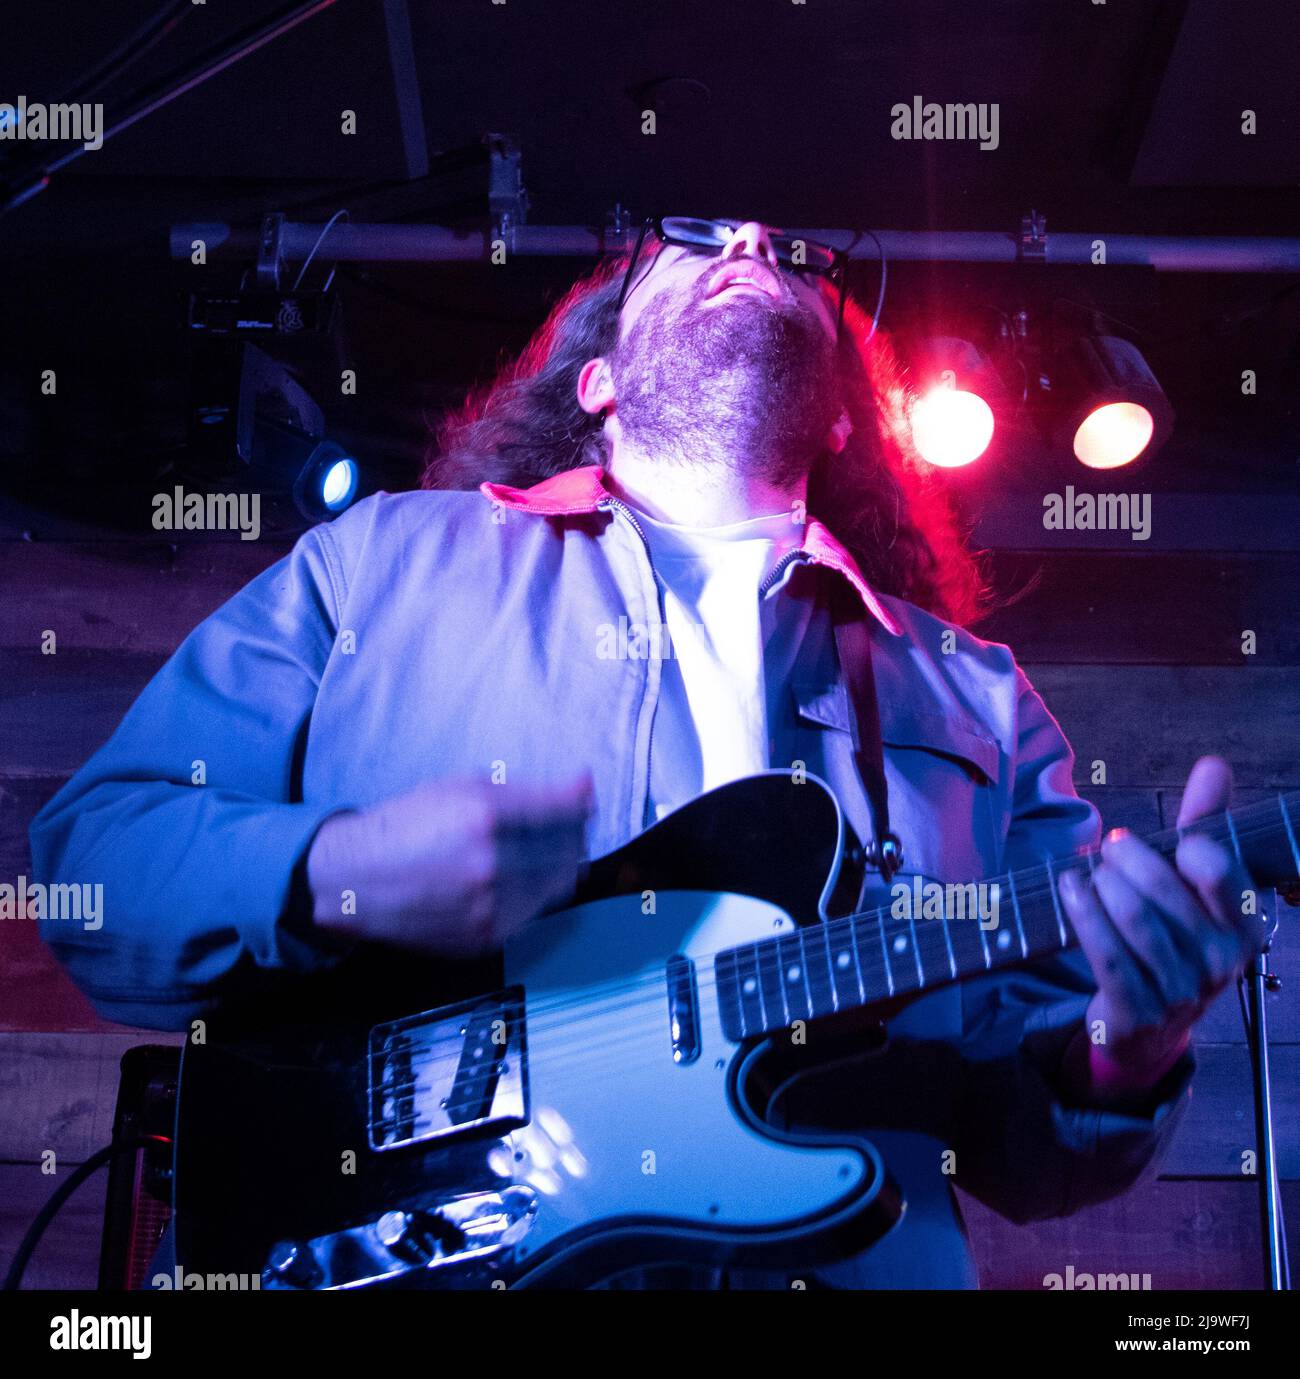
{"x":1258,"y":982}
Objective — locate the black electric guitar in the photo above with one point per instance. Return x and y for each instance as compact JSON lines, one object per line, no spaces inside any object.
{"x":599,"y":1104}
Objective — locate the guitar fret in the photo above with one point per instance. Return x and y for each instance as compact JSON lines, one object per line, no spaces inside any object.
{"x":889,"y":971}
{"x":933,"y":949}
{"x":947,"y":941}
{"x":1290,"y":831}
{"x":966,"y":941}
{"x":1232,"y":831}
{"x":916,"y":951}
{"x":803,"y":972}
{"x":792,"y":971}
{"x":740,"y":998}
{"x":773,"y":987}
{"x":737,"y":1015}
{"x":1015,"y":906}
{"x":830,"y":967}
{"x":857,"y":962}
{"x":897,"y":941}
{"x":819,"y":974}
{"x":1056,"y":902}
{"x":757,"y":979}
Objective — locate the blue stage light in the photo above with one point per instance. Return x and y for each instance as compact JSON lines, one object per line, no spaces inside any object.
{"x":339,"y":484}
{"x":327,"y":483}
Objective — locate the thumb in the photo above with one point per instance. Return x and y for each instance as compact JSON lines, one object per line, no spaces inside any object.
{"x":1209,"y":789}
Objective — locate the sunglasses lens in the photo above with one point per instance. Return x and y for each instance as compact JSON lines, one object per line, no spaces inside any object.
{"x":804,"y":254}
{"x":705,"y":234}
{"x":709,"y":236}
{"x":800,"y":254}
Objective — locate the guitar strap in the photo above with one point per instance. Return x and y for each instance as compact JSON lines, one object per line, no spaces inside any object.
{"x":853,"y":646}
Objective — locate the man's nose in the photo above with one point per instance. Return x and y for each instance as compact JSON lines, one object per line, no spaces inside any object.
{"x":751,"y":241}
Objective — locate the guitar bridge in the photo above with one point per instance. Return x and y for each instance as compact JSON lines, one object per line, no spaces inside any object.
{"x":451,"y":1071}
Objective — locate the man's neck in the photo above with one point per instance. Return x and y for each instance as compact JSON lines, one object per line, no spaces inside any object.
{"x":696,"y":494}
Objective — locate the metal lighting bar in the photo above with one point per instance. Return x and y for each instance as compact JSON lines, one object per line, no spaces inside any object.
{"x":347,"y":242}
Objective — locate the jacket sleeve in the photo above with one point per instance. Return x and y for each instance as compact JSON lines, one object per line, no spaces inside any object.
{"x":1023,"y":1149}
{"x":190,"y":816}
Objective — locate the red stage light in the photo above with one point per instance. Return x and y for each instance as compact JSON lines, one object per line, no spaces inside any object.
{"x":1113,"y":435}
{"x":951,"y":427}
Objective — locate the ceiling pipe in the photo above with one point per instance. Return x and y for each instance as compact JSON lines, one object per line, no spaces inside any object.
{"x":347,"y":242}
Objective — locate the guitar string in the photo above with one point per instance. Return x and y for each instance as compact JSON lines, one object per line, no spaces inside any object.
{"x":1040,"y":882}
{"x":769,"y":962}
{"x":597,"y":1053}
{"x":603,"y":999}
{"x":880,"y":920}
{"x":586,"y":1050}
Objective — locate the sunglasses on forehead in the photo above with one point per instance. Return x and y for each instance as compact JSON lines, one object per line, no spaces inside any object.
{"x":794,"y":254}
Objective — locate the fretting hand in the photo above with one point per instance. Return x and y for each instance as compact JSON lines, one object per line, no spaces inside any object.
{"x":1163,"y":940}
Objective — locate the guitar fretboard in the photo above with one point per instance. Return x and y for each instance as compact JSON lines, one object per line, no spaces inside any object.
{"x":932,"y":934}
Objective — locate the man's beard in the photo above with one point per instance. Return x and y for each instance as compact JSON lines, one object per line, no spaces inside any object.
{"x":747,"y":383}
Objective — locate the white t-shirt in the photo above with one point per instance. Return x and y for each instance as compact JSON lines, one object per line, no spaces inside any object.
{"x":730,"y":652}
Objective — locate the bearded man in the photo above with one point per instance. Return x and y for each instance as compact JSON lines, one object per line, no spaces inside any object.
{"x":417,"y":710}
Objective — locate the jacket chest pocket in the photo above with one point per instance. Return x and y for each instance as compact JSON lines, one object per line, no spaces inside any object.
{"x":943,"y":774}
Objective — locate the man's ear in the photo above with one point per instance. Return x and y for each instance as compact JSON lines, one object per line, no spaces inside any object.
{"x":596,"y":387}
{"x":838,"y":436}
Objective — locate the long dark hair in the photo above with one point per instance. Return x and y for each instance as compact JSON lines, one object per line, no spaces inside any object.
{"x":526,"y":425}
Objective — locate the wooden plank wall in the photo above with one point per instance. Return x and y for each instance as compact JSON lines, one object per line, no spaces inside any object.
{"x":1140,"y":657}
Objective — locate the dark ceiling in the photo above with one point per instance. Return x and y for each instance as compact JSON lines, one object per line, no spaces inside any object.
{"x":1112,"y":110}
{"x":1114,"y":117}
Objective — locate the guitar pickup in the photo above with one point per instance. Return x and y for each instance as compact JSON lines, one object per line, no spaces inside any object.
{"x":451,"y":1071}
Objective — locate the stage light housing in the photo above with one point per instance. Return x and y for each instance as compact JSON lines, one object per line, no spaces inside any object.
{"x":253,"y":425}
{"x":327,"y":483}
{"x":1109,"y":408}
{"x":952,"y":413}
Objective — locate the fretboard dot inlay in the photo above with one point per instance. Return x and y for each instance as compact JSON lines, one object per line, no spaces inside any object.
{"x":900,"y":944}
{"x":792,"y":975}
{"x":751,"y":986}
{"x":1003,"y":940}
{"x":842,"y":960}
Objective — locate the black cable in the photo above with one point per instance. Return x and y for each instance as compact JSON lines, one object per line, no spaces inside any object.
{"x":29,"y":181}
{"x":883,"y":263}
{"x":1224,"y":321}
{"x":1253,"y":1047}
{"x":61,"y":1194}
{"x":130,"y":50}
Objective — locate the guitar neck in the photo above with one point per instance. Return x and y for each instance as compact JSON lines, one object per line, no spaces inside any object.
{"x":932,"y":934}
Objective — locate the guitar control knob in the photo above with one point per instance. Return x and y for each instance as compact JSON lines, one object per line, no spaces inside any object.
{"x":290,"y":1264}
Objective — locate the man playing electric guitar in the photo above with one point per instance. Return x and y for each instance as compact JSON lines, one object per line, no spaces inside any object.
{"x":417,"y":726}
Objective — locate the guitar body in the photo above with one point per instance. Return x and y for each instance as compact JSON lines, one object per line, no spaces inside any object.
{"x":579,"y":1113}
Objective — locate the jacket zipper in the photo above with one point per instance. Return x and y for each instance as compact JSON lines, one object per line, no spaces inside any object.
{"x":780,"y":568}
{"x":617,"y":505}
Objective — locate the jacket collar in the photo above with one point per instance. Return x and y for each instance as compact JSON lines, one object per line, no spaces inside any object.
{"x":580,"y":491}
